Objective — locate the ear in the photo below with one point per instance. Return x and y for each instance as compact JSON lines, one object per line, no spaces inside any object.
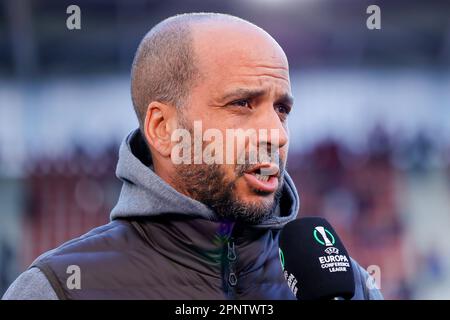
{"x":160,"y":121}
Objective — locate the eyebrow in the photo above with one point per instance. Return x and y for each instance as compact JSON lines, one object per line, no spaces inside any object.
{"x":285,"y":98}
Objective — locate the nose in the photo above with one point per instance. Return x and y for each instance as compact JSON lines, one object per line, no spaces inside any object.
{"x":272,"y":136}
{"x":277,"y":132}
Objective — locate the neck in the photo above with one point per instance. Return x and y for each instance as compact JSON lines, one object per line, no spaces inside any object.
{"x":163,"y":170}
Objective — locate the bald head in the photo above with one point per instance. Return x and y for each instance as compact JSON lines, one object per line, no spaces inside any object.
{"x":166,"y":66}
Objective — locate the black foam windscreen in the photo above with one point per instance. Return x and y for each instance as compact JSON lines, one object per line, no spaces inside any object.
{"x":316,"y":264}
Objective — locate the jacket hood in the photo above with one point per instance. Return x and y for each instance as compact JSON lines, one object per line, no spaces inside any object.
{"x":145,"y":194}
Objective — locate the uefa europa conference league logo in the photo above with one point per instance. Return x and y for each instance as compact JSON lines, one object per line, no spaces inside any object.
{"x":333,"y":261}
{"x":340,"y":263}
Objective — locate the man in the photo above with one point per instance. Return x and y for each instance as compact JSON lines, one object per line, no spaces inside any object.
{"x":192,"y":229}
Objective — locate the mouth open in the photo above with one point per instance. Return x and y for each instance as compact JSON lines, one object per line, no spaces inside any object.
{"x":263,"y":178}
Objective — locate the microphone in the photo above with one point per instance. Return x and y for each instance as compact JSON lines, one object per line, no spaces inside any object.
{"x":315,"y":263}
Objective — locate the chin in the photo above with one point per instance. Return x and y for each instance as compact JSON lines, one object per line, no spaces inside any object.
{"x":255,"y":197}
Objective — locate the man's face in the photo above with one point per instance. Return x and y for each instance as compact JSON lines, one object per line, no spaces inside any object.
{"x":244,"y":85}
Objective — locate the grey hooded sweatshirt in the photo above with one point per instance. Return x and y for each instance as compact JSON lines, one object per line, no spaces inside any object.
{"x":161,"y":244}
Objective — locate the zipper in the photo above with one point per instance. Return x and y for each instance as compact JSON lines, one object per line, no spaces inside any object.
{"x":229,"y":276}
{"x":231,"y":266}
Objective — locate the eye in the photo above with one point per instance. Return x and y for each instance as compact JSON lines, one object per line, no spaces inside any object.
{"x":283,"y":109}
{"x":245,"y":103}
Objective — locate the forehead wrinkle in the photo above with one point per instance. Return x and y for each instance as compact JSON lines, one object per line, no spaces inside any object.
{"x":252,"y":82}
{"x":260,"y":70}
{"x":268,"y":66}
{"x":271,"y":66}
{"x":271,"y":75}
{"x":263,"y":80}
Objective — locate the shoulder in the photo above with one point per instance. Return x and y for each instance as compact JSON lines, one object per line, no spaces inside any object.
{"x":107,"y":243}
{"x":30,"y":285}
{"x":101,"y":239}
{"x":364,"y":284}
{"x":101,"y":260}
{"x":35,"y":283}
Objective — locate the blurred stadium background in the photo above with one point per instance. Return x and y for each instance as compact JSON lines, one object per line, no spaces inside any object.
{"x":370,"y":132}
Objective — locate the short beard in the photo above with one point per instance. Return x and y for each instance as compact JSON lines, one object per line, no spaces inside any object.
{"x":208,"y":184}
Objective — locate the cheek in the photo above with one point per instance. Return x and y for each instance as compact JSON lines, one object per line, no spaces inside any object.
{"x":242,"y":190}
{"x":230,"y":172}
{"x":241,"y":187}
{"x":284,"y":154}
